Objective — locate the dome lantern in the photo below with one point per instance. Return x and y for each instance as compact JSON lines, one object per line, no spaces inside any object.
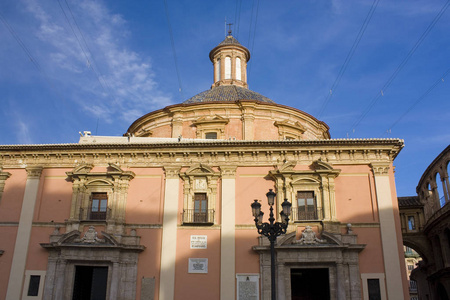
{"x":230,"y":59}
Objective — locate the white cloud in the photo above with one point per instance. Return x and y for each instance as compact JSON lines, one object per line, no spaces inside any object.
{"x":96,"y":65}
{"x":23,"y":132}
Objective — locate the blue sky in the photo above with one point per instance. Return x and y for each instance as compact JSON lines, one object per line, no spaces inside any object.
{"x":68,"y":66}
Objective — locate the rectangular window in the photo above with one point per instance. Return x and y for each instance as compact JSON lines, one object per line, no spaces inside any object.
{"x":373,"y":286}
{"x":99,"y":206}
{"x":33,"y":287}
{"x":306,"y":206}
{"x":211,"y":135}
{"x":200,"y":208}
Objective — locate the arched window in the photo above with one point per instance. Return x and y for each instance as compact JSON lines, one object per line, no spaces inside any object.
{"x":218,"y":70}
{"x":227,"y":67}
{"x":238,"y":68}
{"x":440,"y":189}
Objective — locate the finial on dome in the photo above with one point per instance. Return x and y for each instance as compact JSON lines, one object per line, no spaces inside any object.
{"x":229,"y":28}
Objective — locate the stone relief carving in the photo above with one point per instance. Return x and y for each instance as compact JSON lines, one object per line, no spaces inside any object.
{"x":90,"y":237}
{"x":309,"y":238}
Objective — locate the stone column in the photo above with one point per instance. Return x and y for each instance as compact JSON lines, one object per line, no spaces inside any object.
{"x":113,"y":291}
{"x":355,"y":281}
{"x":388,"y":231}
{"x":177,"y":127}
{"x":169,"y":234}
{"x":281,"y":272}
{"x":50,"y":278}
{"x":59,"y":279}
{"x":17,"y":273}
{"x":447,"y":184}
{"x":248,"y":121}
{"x":445,"y":187}
{"x":340,"y":278}
{"x":227,"y":234}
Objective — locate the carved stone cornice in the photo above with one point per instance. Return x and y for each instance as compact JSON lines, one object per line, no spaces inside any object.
{"x":218,"y":151}
{"x":380,"y":169}
{"x":34,"y":172}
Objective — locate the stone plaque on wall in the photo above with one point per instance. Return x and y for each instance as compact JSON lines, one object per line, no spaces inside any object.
{"x":199,"y":241}
{"x":247,"y":286}
{"x":148,"y":288}
{"x":198,"y":265}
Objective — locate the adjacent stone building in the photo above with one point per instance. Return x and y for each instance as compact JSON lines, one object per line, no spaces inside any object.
{"x":164,"y":211}
{"x":425,"y":220}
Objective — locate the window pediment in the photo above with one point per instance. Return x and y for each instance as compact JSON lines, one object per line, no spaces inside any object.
{"x":200,"y":170}
{"x":289,"y":129}
{"x":112,"y":171}
{"x":206,"y":120}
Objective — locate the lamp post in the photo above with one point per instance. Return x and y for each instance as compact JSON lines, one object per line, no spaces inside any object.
{"x":272,"y":229}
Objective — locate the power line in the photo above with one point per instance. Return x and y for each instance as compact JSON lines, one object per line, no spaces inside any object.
{"x":238,"y":19}
{"x":349,"y":56}
{"x":400,"y":66}
{"x":173,"y":49}
{"x":82,"y":48}
{"x":254,"y":35}
{"x":21,"y":44}
{"x":94,"y":62}
{"x":251,"y":21}
{"x":418,"y":100}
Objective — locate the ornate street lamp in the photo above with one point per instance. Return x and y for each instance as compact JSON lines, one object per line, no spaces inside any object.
{"x":272,"y":229}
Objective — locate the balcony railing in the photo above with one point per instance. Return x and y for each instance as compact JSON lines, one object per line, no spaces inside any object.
{"x":302,"y":215}
{"x":412,"y":286}
{"x":190,"y":216}
{"x":88,"y":215}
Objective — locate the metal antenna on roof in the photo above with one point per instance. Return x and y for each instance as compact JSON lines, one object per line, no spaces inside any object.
{"x":229,"y":28}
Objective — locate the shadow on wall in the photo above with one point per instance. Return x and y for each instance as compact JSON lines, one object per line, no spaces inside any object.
{"x":146,"y":206}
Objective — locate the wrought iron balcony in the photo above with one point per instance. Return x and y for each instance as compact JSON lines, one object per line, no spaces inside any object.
{"x":190,"y":216}
{"x":302,"y":215}
{"x":88,"y":215}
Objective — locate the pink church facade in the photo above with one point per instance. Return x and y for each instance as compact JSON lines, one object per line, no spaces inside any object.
{"x":164,"y":211}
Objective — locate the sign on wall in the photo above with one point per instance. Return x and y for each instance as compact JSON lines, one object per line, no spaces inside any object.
{"x":247,"y":286}
{"x":199,"y":241}
{"x":198,"y":265}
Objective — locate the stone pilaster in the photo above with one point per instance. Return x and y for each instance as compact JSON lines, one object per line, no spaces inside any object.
{"x":169,"y":234}
{"x":227,"y":234}
{"x":389,"y":237}
{"x":17,"y":273}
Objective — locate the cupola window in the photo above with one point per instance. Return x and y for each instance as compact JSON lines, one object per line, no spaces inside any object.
{"x":218,"y":70}
{"x":238,"y":68}
{"x":227,"y":67}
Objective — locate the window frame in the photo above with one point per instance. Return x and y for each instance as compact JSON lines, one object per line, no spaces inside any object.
{"x":306,"y":211}
{"x":98,"y":214}
{"x":26,"y":284}
{"x":199,"y":179}
{"x":365,"y":285}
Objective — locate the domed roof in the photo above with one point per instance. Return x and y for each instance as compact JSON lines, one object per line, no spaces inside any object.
{"x":229,"y":41}
{"x":227,"y":93}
